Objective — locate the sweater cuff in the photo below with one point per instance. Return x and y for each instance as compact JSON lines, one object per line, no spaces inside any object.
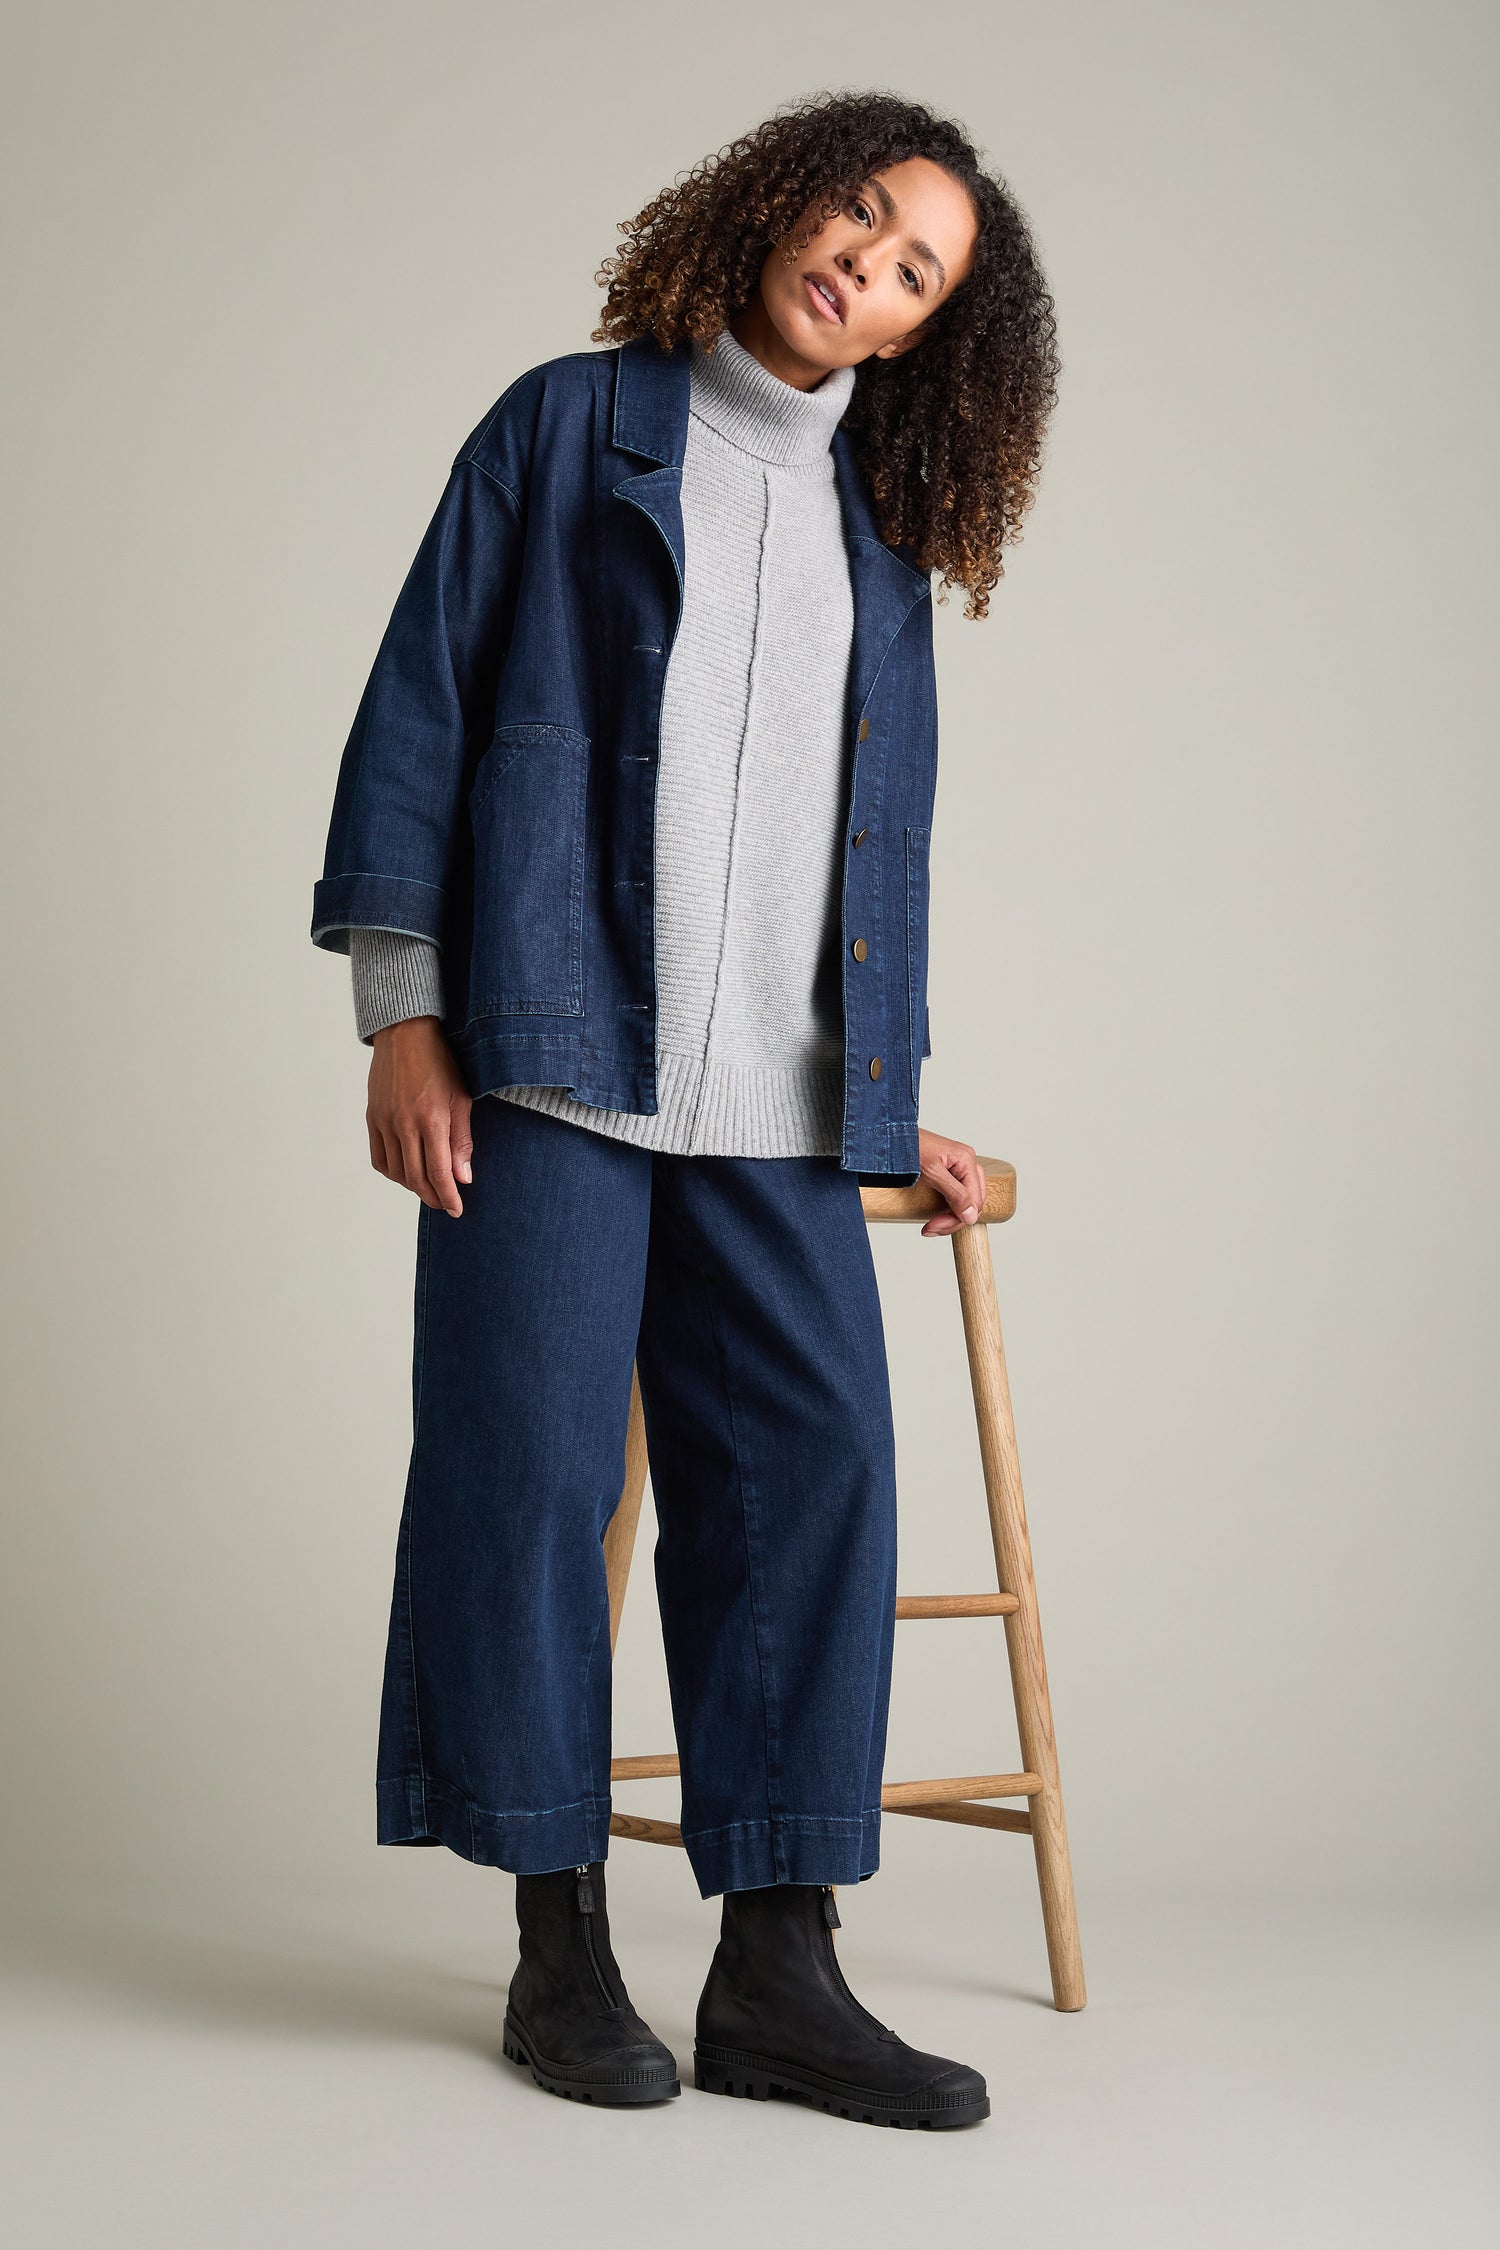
{"x":396,"y":976}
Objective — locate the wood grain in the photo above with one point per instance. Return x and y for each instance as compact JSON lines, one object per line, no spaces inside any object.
{"x":955,"y":1605}
{"x":1023,"y":1628}
{"x":897,"y":1795}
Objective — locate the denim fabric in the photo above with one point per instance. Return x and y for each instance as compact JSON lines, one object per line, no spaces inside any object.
{"x":497,"y":791}
{"x":745,"y":1290}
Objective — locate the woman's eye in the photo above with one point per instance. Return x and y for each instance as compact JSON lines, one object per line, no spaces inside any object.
{"x":914,"y":278}
{"x":857,"y":207}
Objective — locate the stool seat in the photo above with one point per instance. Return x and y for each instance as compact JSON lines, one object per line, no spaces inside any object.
{"x":967,"y":1799}
{"x":912,"y":1206}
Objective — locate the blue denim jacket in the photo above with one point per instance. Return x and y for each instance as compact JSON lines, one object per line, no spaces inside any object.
{"x":497,"y":791}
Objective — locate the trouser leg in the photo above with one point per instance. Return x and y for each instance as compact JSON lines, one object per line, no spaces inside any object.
{"x":495,"y":1717}
{"x":768,"y":1420}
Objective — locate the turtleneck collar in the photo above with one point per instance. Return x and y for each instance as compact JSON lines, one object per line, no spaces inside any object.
{"x":756,"y":411}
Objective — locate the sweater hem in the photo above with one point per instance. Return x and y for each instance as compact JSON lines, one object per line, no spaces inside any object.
{"x":717,"y":1109}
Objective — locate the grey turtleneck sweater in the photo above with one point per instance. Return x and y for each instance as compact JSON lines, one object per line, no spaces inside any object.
{"x":750,"y":792}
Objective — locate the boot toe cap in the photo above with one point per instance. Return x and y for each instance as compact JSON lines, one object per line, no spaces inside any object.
{"x":642,"y":2058}
{"x":954,"y":2085}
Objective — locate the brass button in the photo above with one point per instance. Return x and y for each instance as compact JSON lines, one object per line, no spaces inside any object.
{"x":860,"y":949}
{"x":864,"y":729}
{"x":859,"y":836}
{"x":875,"y":1066}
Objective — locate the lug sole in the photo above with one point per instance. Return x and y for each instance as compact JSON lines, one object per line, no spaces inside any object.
{"x":621,"y":2093}
{"x":757,"y":2078}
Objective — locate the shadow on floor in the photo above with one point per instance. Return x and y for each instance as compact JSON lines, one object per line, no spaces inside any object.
{"x":304,"y":1982}
{"x":278,"y":1982}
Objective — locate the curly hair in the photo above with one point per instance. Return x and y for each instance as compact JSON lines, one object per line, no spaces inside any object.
{"x":948,"y":436}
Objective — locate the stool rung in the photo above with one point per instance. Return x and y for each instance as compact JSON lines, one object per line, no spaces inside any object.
{"x":972,"y":1816}
{"x":930,"y":1800}
{"x":643,"y":1831}
{"x":956,"y":1605}
{"x":896,"y":1796}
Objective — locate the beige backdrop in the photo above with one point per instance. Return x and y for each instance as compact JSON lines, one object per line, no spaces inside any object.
{"x":1213,"y":935}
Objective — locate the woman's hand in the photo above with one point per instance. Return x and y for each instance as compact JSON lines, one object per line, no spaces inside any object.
{"x":957,"y":1174}
{"x":418,"y":1114}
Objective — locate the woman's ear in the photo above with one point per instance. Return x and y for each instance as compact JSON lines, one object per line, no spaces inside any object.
{"x":903,"y":343}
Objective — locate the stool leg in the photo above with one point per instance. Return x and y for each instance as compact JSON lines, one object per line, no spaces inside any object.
{"x":1023,"y":1631}
{"x":619,"y":1539}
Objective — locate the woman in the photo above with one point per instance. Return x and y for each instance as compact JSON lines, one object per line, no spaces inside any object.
{"x":632,"y":832}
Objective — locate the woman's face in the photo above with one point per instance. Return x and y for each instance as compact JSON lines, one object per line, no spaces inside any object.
{"x":869,"y":280}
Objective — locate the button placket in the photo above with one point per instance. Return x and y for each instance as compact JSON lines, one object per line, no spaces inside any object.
{"x":860,"y":946}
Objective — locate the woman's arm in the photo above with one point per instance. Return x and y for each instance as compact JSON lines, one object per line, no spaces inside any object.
{"x":428,"y":701}
{"x":398,"y":805}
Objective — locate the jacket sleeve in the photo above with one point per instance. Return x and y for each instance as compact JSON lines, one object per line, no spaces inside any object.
{"x":430,"y":696}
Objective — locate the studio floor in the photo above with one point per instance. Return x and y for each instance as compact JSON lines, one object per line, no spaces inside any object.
{"x":266,"y":2072}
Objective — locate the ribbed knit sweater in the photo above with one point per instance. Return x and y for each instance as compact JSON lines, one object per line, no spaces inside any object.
{"x":750,"y":792}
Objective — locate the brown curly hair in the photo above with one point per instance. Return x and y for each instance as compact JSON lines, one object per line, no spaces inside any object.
{"x":948,"y":436}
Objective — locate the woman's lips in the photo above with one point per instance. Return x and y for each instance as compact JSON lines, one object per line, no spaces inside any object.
{"x":820,"y":302}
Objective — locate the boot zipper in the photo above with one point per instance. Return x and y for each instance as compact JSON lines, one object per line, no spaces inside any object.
{"x":586,"y":1912}
{"x":835,"y":1967}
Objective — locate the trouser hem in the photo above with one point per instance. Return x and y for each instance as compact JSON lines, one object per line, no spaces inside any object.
{"x":414,"y":1809}
{"x":789,"y":1848}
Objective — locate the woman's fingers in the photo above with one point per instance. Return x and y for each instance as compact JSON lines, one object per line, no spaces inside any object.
{"x":971,"y":1173}
{"x":437,"y":1154}
{"x":461,"y":1128}
{"x":957,"y":1174}
{"x":950,"y":1186}
{"x":385,"y":1154}
{"x":416,"y":1154}
{"x":414,"y":1164}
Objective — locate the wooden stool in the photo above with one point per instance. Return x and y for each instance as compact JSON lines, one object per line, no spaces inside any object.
{"x":968,"y":1798}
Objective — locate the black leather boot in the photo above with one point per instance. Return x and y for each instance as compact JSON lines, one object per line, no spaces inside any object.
{"x":568,"y":2016}
{"x":776,"y":2017}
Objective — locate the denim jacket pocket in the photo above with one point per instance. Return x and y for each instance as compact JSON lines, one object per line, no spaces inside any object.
{"x":918,"y":850}
{"x":528,"y":813}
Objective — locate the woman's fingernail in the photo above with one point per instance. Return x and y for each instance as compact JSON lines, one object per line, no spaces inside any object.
{"x":464,"y":1173}
{"x":971,"y":1210}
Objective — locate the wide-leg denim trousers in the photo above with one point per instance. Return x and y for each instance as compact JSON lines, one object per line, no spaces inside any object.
{"x":744,"y":1290}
